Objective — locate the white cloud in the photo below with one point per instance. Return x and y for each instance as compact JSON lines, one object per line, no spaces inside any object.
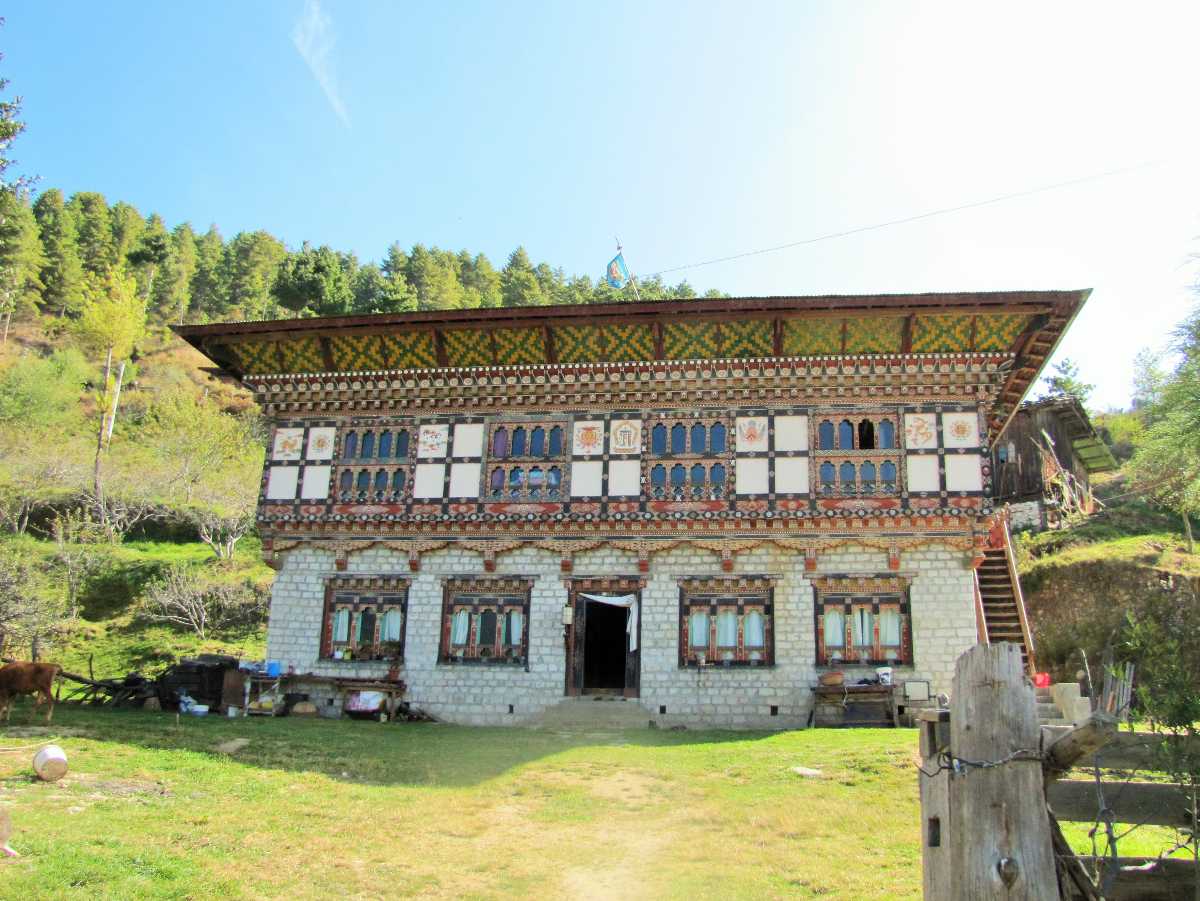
{"x":313,"y":36}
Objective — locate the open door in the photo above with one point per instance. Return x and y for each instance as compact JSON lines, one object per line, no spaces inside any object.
{"x":604,"y":639}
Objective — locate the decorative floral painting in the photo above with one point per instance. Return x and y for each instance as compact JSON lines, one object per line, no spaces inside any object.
{"x":626,"y":436}
{"x":589,"y":438}
{"x":288,"y":443}
{"x":751,"y":433}
{"x":433,"y":440}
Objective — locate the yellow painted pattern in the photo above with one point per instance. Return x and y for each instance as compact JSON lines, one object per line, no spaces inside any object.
{"x":812,"y":337}
{"x":621,"y":343}
{"x":301,"y":355}
{"x":577,"y":343}
{"x":690,"y":340}
{"x":465,"y":347}
{"x":515,"y":346}
{"x":747,"y":339}
{"x":409,"y":350}
{"x":945,"y":332}
{"x":998,"y":332}
{"x":877,"y":335}
{"x":255,"y":357}
{"x":356,"y":353}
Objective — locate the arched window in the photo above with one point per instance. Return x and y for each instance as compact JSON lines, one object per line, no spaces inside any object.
{"x":536,"y":479}
{"x":697,"y":474}
{"x":368,"y":445}
{"x":698,"y":630}
{"x":518,"y":442}
{"x":827,"y":475}
{"x":846,"y":474}
{"x":716,"y":475}
{"x":678,"y":475}
{"x":385,"y":445}
{"x":497,"y":481}
{"x":398,"y":481}
{"x":555,"y":441}
{"x":350,"y":446}
{"x":825,"y":435}
{"x":516,"y":481}
{"x":866,"y":476}
{"x":392,"y":623}
{"x":346,"y":482}
{"x":887,"y":435}
{"x":835,"y":630}
{"x":658,"y":439}
{"x":866,"y":435}
{"x":845,"y":435}
{"x":727,"y":629}
{"x":486,"y":638}
{"x":753,"y":631}
{"x":402,"y":444}
{"x":341,"y":626}
{"x":553,"y":481}
{"x":887,"y":475}
{"x":381,"y":482}
{"x":500,"y":443}
{"x":537,"y":442}
{"x":658,"y":476}
{"x":460,"y":628}
{"x":716,"y":439}
{"x":678,"y":439}
{"x":699,"y":433}
{"x":366,"y":627}
{"x":364,"y":480}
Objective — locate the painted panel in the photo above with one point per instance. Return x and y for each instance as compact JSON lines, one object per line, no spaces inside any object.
{"x":588,"y":438}
{"x":964,"y":472}
{"x":920,"y":431}
{"x":791,"y":433}
{"x":288,"y":443}
{"x":874,"y":335}
{"x":302,"y":355}
{"x":428,"y":480}
{"x":432,"y":440}
{"x":320,"y":443}
{"x":751,"y":434}
{"x":752,"y":475}
{"x":315,"y":485}
{"x":923,"y":473}
{"x":747,"y":339}
{"x":625,"y":436}
{"x":464,"y":479}
{"x":689,"y":340}
{"x":587,"y":478}
{"x":468,"y":439}
{"x":281,"y":482}
{"x":519,"y":345}
{"x":812,"y":337}
{"x":960,"y":430}
{"x":791,"y":475}
{"x":998,"y":332}
{"x":624,"y":478}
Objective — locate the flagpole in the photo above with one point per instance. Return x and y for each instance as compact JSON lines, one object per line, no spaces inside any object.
{"x":632,"y":277}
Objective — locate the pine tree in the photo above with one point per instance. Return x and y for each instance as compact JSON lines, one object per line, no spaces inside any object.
{"x":519,"y":286}
{"x":173,"y":287}
{"x":314,"y":280}
{"x":433,"y":276}
{"x":94,"y":232}
{"x":209,"y":297}
{"x":150,"y":253}
{"x":21,"y":260}
{"x":251,"y":262}
{"x":127,"y":228}
{"x":62,"y":272}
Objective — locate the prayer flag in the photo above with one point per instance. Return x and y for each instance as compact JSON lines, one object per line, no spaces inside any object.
{"x":616,"y":275}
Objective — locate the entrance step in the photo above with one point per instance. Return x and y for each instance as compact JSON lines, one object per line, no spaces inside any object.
{"x":598,"y":713}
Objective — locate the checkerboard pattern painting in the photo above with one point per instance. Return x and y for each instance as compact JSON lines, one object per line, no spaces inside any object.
{"x":949,"y":332}
{"x":621,"y":343}
{"x":409,"y":350}
{"x":255,"y":357}
{"x":747,"y":339}
{"x":812,"y":337}
{"x":998,"y":332}
{"x":690,"y":340}
{"x":577,"y":343}
{"x":879,"y":335}
{"x":516,"y":346}
{"x":302,"y":355}
{"x":356,"y":352}
{"x":466,"y":347}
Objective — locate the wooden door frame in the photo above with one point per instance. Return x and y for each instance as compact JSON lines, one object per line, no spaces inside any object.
{"x":575,"y":635}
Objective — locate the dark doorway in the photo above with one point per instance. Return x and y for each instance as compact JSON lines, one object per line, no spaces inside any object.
{"x":604,"y":652}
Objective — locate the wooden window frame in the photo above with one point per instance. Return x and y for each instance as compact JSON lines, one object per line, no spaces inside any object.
{"x":855,"y":456}
{"x":359,"y":594}
{"x":714,"y":596}
{"x":477,"y":596}
{"x":850,"y":594}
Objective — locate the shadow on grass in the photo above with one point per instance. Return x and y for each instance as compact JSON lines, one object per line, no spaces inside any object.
{"x":362,"y":751}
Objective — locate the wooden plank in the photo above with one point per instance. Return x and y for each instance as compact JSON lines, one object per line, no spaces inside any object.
{"x":1124,"y":750}
{"x":1000,"y":837}
{"x":1073,"y":745}
{"x":1154,"y":803}
{"x":1148,"y":879}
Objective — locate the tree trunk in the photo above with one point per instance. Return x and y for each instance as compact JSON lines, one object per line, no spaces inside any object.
{"x":112,"y":418}
{"x":1187,"y":529}
{"x":97,"y":474}
{"x":7,"y":323}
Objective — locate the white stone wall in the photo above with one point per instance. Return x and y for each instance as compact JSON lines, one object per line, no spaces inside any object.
{"x":1027,"y":515}
{"x":943,"y":626}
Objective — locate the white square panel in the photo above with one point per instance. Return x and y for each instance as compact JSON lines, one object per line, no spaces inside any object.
{"x":625,"y":436}
{"x":428,"y":479}
{"x":432,"y":440}
{"x":752,"y":475}
{"x":464,"y":478}
{"x":320,"y":443}
{"x":960,"y":430}
{"x":468,"y":440}
{"x":923,"y":473}
{"x":315,"y":485}
{"x":791,"y":433}
{"x":588,"y":438}
{"x":288,"y":443}
{"x":751,"y":434}
{"x":920,"y":431}
{"x":624,"y":477}
{"x":587,"y":478}
{"x":281,"y":483}
{"x":964,"y":472}
{"x":791,"y":475}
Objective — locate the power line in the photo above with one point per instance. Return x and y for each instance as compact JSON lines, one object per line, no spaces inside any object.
{"x":926,"y":215}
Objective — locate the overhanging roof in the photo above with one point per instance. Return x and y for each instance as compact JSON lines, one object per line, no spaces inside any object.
{"x":1026,"y":324}
{"x":1089,"y":447}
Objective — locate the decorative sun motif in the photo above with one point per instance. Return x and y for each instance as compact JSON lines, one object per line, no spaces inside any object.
{"x":588,"y":439}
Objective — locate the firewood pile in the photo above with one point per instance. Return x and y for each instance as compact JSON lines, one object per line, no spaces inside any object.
{"x":131,"y":691}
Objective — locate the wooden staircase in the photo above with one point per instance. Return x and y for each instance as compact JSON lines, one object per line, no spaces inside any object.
{"x":1000,"y":606}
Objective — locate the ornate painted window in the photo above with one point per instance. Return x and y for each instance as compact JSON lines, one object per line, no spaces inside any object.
{"x":726,"y":622}
{"x":856,"y":455}
{"x":526,"y":461}
{"x":374,"y":465}
{"x":862,"y":620}
{"x":688,"y":458}
{"x":365,"y":618}
{"x":486,"y":621}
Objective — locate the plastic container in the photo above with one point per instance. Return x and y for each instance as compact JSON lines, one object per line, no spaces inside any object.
{"x":273,"y":668}
{"x":233,"y":712}
{"x":198,"y":710}
{"x":885,"y":675}
{"x":50,"y":763}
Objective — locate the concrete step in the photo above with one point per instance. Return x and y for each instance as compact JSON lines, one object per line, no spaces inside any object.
{"x":600,"y":714}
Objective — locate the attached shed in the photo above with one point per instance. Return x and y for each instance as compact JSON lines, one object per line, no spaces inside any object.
{"x":1044,"y":460}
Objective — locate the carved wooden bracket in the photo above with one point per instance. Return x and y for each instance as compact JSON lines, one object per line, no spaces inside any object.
{"x":894,"y":557}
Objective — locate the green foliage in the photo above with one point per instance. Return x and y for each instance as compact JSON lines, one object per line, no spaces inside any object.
{"x":94,"y":232}
{"x":1121,"y":430}
{"x":114,"y":317}
{"x":1065,"y":382}
{"x":43,"y":391}
{"x":21,"y":258}
{"x":313,"y":278}
{"x":62,"y":272}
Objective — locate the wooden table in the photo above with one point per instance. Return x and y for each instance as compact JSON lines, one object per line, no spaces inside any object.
{"x":854,"y":705}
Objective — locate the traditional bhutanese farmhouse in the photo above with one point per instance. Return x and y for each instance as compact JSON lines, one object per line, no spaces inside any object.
{"x":1044,"y":461}
{"x":699,"y":505}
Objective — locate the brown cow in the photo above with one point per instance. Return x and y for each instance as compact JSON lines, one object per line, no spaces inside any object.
{"x":27,"y":679}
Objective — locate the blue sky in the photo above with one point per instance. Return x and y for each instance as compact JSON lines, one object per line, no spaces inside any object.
{"x":692,"y":131}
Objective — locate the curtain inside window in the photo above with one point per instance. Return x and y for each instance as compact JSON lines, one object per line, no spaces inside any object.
{"x":862,"y":627}
{"x":699,"y":630}
{"x":341,"y":625}
{"x":391,"y":625}
{"x":752,"y":630}
{"x":889,"y":627}
{"x":835,"y":630}
{"x":727,"y":629}
{"x":460,"y":627}
{"x":512,"y":627}
{"x":628,"y":601}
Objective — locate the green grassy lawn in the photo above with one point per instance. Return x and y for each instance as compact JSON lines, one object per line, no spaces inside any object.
{"x":314,"y":808}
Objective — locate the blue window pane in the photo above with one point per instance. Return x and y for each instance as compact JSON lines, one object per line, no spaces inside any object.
{"x":500,"y":444}
{"x":847,"y":475}
{"x":368,"y":445}
{"x":678,"y":439}
{"x":825,"y":435}
{"x":868,"y":472}
{"x":658,"y":476}
{"x":716,"y":444}
{"x":887,"y":435}
{"x":537,"y":442}
{"x":350,"y":445}
{"x":518,"y":442}
{"x":697,"y":474}
{"x":347,"y":480}
{"x":658,"y":439}
{"x":845,"y":435}
{"x":364,"y":480}
{"x":381,"y":481}
{"x":536,"y":477}
{"x":402,"y":444}
{"x":678,"y":475}
{"x":398,"y":480}
{"x":385,"y":444}
{"x":516,"y":478}
{"x":555,"y":441}
{"x":497,"y":481}
{"x":698,"y":436}
{"x":717,"y":474}
{"x":553,"y":478}
{"x":887,"y":472}
{"x":827,"y":474}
